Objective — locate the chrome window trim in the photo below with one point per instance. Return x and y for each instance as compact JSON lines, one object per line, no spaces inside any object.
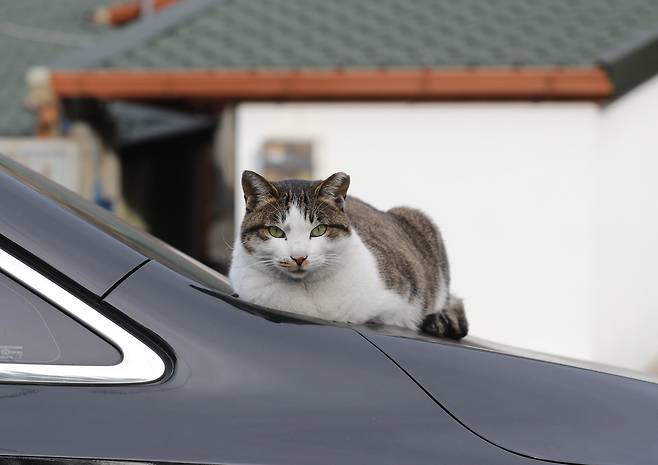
{"x":139,"y":363}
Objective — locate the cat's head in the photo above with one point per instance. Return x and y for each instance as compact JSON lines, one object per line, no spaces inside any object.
{"x":295,"y":229}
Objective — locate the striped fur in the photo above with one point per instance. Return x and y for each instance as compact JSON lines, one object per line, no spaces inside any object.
{"x":390,"y":267}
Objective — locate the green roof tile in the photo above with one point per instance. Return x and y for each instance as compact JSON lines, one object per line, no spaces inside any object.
{"x":33,"y":32}
{"x":233,"y":34}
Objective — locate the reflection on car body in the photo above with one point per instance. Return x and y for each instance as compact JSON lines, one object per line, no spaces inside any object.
{"x":239,"y":383}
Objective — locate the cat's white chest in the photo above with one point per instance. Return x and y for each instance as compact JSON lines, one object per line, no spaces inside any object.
{"x":354,"y":292}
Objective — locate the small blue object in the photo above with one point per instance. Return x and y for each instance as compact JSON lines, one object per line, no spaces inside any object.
{"x":99,"y":198}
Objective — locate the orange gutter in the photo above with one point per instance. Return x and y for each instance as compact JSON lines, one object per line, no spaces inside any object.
{"x":122,"y":13}
{"x":416,"y":84}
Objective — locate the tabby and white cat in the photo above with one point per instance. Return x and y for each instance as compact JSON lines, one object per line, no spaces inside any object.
{"x":306,"y":247}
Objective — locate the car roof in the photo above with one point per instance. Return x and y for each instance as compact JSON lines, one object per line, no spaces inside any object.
{"x":477,"y":343}
{"x":73,"y":236}
{"x":53,"y":237}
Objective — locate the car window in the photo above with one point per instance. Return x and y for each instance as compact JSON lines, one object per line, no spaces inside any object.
{"x":32,"y":331}
{"x":142,"y":242}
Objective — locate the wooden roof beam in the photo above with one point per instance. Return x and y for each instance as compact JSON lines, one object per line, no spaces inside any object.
{"x":415,"y":84}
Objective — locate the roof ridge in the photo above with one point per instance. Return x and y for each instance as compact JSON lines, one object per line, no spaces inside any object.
{"x":127,"y":37}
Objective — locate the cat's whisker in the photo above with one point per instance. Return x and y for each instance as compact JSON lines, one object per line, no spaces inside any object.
{"x":226,"y":243}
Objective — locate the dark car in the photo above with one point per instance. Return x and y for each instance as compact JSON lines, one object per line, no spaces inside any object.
{"x":115,"y":347}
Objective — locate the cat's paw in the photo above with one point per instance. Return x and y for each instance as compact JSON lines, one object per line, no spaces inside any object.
{"x":450,"y":322}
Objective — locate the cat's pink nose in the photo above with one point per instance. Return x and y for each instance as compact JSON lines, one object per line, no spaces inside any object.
{"x":299,"y":260}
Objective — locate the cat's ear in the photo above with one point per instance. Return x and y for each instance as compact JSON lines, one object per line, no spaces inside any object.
{"x":335,"y":188}
{"x":256,"y":189}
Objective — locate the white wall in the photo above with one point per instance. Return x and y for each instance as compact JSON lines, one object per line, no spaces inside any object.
{"x":625,"y":311}
{"x":532,"y":198}
{"x":57,"y":159}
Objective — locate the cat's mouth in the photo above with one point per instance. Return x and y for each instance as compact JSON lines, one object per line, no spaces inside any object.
{"x":294,"y":270}
{"x":296,"y":273}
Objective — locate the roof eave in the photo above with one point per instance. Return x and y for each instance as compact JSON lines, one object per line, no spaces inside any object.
{"x":633,"y":62}
{"x":586,"y":83}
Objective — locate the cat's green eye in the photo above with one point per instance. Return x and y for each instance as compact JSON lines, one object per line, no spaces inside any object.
{"x":276,"y":232}
{"x":319,"y":230}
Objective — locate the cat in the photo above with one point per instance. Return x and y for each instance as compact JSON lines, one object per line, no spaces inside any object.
{"x":309,"y":248}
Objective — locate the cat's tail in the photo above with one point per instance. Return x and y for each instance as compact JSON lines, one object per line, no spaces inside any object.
{"x":450,"y":322}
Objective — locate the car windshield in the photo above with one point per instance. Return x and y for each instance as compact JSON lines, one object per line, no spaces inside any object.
{"x":106,"y":221}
